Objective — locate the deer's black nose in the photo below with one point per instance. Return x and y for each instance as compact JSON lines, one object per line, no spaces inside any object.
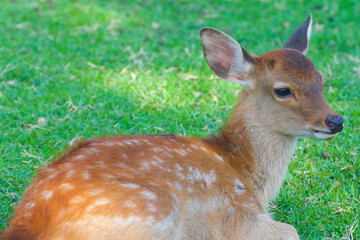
{"x":334,"y":124}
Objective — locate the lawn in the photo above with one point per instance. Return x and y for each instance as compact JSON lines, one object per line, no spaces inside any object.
{"x":82,"y":69}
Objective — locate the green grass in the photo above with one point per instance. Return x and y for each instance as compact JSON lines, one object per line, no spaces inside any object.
{"x":81,"y":69}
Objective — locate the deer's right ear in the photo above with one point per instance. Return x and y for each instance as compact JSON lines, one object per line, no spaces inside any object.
{"x":299,"y":39}
{"x":226,"y":57}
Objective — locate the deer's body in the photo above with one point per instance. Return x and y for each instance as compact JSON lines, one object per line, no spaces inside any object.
{"x":175,"y":187}
{"x":144,"y":187}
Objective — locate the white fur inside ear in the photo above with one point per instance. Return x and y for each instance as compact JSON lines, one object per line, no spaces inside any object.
{"x":308,"y":35}
{"x":247,"y":84}
{"x":225,"y":56}
{"x":245,"y":68}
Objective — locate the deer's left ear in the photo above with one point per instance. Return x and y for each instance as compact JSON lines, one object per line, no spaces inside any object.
{"x":299,"y":40}
{"x":226,"y":57}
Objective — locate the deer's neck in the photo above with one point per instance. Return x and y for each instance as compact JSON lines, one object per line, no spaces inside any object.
{"x":272,"y":154}
{"x":256,"y":151}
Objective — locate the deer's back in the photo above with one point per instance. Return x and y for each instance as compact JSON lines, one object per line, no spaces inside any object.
{"x":112,"y":185}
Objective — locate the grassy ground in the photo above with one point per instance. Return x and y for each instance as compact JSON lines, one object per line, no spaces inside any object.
{"x":81,"y":69}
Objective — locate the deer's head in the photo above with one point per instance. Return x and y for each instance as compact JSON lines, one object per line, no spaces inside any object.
{"x":283,"y":84}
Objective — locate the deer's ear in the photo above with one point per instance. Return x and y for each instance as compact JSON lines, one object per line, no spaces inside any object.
{"x":226,"y":57}
{"x":299,"y":40}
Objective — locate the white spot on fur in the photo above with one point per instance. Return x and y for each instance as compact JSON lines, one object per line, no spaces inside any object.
{"x":180,"y":175}
{"x":178,"y":186}
{"x":108,"y":144}
{"x":178,"y":167}
{"x":90,"y":208}
{"x":124,"y":155}
{"x":77,"y":199}
{"x":49,"y":169}
{"x":156,"y":164}
{"x":130,"y":204}
{"x":209,"y":178}
{"x":70,"y":173}
{"x":157,"y":149}
{"x":101,"y":201}
{"x":97,"y":203}
{"x":120,"y":164}
{"x":248,"y":205}
{"x":165,"y":224}
{"x":217,"y":202}
{"x":47,"y":194}
{"x":116,"y":221}
{"x":210,"y":204}
{"x":53,"y":175}
{"x":151,"y":207}
{"x":101,"y":164}
{"x":147,"y":141}
{"x":218,"y":157}
{"x":130,"y":185}
{"x":156,"y":158}
{"x":194,"y":146}
{"x":94,"y":150}
{"x":145,"y":166}
{"x":108,"y":176}
{"x":62,"y":212}
{"x":148,"y":195}
{"x":135,"y":141}
{"x":66,"y":186}
{"x":239,"y":187}
{"x":182,"y":152}
{"x":154,"y":184}
{"x":128,"y":143}
{"x":86,"y":174}
{"x":196,"y":175}
{"x":39,"y":183}
{"x":79,"y":157}
{"x":27,"y":214}
{"x":168,"y":149}
{"x":119,"y":144}
{"x":150,"y":221}
{"x":68,"y":165}
{"x":189,"y":189}
{"x":195,"y":205}
{"x":30,"y":205}
{"x":96,"y":192}
{"x":204,"y":149}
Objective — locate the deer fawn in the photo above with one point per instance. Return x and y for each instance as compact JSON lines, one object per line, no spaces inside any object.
{"x":175,"y":187}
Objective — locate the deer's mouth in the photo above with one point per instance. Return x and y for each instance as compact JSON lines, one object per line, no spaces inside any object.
{"x":323,"y":134}
{"x":319,"y":131}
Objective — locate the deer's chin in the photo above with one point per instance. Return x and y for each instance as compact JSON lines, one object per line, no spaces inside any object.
{"x":309,"y":133}
{"x":323,"y":135}
{"x":305,"y":133}
{"x":319,"y":134}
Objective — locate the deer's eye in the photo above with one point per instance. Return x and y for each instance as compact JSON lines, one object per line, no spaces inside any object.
{"x":282,"y":92}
